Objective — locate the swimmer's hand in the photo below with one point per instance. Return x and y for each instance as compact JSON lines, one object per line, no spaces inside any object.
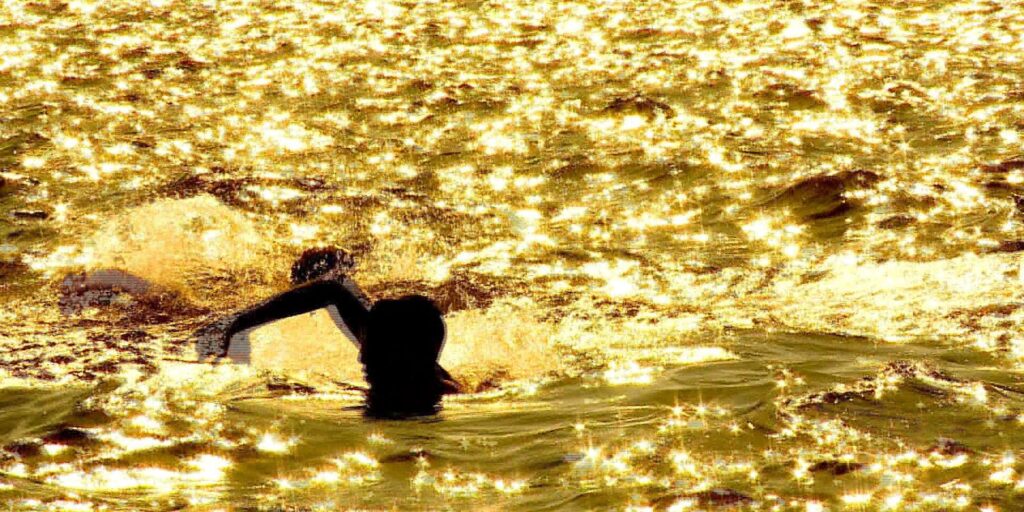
{"x":449,"y":386}
{"x":212,"y":339}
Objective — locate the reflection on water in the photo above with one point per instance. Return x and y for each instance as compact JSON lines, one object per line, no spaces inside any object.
{"x":694,"y":254}
{"x":792,"y":422}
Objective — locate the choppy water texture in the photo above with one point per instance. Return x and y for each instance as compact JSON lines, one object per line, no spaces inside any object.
{"x":694,"y":254}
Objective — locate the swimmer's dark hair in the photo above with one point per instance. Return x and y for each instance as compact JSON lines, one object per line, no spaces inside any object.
{"x":315,"y":262}
{"x":404,"y":338}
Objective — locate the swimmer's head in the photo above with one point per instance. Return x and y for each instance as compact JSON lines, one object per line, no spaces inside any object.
{"x":404,"y":338}
{"x":321,"y":262}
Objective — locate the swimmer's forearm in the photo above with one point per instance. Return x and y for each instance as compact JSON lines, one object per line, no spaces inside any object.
{"x":293,"y":302}
{"x":306,"y":298}
{"x":357,"y":292}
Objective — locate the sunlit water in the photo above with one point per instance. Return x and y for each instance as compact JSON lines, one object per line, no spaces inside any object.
{"x":694,"y":255}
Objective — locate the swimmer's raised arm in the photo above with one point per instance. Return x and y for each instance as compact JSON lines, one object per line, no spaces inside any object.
{"x":356,"y":291}
{"x":303,"y":299}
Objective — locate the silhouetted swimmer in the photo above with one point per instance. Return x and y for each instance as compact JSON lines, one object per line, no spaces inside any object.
{"x":404,"y":338}
{"x":399,"y":340}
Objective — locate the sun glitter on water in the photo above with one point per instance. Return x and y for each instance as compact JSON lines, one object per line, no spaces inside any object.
{"x":630,"y":208}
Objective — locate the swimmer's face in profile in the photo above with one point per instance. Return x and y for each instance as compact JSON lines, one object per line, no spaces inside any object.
{"x":321,"y":263}
{"x":403,"y":341}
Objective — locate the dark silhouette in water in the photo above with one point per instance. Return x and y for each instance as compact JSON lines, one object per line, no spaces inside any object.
{"x":404,"y":338}
{"x":399,"y":340}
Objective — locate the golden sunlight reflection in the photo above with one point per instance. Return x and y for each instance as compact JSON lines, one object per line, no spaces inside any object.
{"x":693,"y":255}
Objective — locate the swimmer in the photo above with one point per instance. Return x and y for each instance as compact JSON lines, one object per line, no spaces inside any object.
{"x":399,"y":340}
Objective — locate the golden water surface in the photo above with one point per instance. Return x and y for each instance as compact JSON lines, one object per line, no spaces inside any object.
{"x":694,"y":254}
